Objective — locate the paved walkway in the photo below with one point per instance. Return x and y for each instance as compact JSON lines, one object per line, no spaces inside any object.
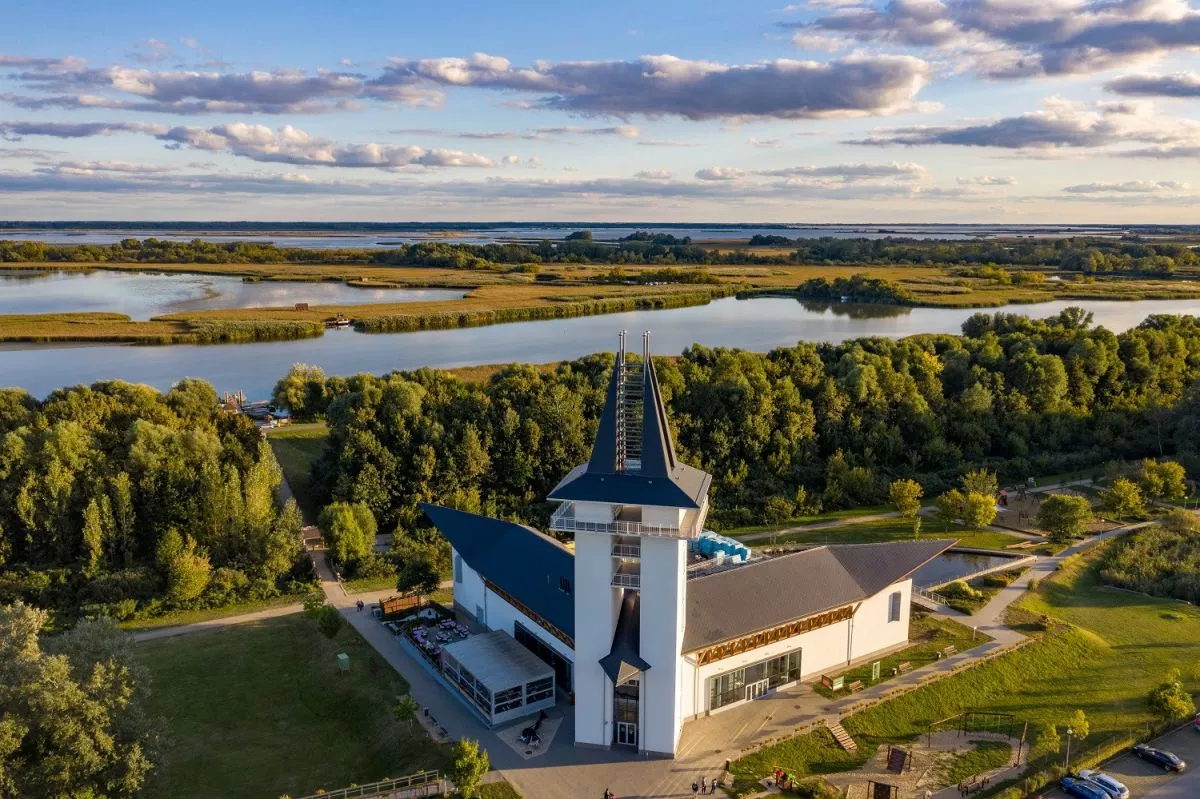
{"x":216,"y":624}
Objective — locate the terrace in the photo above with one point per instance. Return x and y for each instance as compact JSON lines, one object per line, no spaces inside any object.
{"x":627,"y":520}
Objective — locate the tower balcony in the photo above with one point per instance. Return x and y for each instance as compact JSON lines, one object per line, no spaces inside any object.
{"x":627,"y":522}
{"x":628,"y":575}
{"x":627,"y":548}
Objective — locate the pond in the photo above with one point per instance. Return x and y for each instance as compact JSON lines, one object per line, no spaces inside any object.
{"x":143,"y":295}
{"x":758,"y":324}
{"x":955,"y":565}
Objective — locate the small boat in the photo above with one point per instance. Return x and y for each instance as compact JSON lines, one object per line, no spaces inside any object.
{"x":339,"y":321}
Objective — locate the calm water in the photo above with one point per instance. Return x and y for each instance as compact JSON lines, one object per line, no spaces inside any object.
{"x":143,"y":295}
{"x":954,"y":565}
{"x":759,"y":325}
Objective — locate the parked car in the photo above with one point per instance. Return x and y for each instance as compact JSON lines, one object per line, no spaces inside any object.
{"x":1111,"y":786}
{"x":1159,"y":757}
{"x":1082,"y":789}
{"x":1196,"y":724}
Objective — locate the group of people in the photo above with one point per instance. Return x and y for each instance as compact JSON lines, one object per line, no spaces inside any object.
{"x":704,"y":787}
{"x":783,"y":780}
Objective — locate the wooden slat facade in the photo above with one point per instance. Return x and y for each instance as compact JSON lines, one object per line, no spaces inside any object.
{"x":745,"y":643}
{"x":537,"y":619}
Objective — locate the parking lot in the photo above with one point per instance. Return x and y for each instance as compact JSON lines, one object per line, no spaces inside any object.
{"x":1147,"y":781}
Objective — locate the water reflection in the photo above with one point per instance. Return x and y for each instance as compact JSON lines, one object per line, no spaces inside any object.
{"x":953,"y":565}
{"x":855,"y":310}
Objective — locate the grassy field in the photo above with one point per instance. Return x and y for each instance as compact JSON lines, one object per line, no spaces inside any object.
{"x":297,"y":448}
{"x":182,"y":617}
{"x":498,"y":790}
{"x":893,"y":529}
{"x":986,"y":756}
{"x":929,"y":635}
{"x":1105,"y":652}
{"x":828,"y":516}
{"x":500,"y":295}
{"x":260,"y":710}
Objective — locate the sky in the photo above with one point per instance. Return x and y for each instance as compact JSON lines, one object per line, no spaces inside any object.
{"x":999,"y":111}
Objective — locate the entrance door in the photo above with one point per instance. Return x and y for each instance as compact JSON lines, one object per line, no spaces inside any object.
{"x":756,"y":689}
{"x":627,"y":733}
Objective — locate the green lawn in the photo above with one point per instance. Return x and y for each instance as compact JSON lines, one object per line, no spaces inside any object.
{"x":830,"y":516}
{"x":260,"y":710}
{"x":802,"y":755}
{"x":1112,"y":649}
{"x":182,"y":617}
{"x":498,"y":790}
{"x":929,"y":634}
{"x":895,"y":529}
{"x":296,"y":448}
{"x":986,"y":756}
{"x":362,"y":585}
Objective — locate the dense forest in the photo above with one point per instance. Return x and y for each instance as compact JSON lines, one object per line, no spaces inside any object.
{"x":805,"y":426}
{"x":1084,"y":255}
{"x":118,"y":500}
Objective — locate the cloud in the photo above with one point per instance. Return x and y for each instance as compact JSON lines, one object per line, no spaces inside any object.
{"x":1166,"y":151}
{"x":623,"y":131}
{"x":851,"y":172}
{"x":665,"y":143}
{"x":92,"y":167}
{"x":1128,"y":187}
{"x":720,"y":173}
{"x":290,"y":145}
{"x":1019,"y":38}
{"x":13,"y":131}
{"x":509,"y":160}
{"x":151,"y":51}
{"x":767,"y":144}
{"x":1058,"y":125}
{"x":653,"y":174}
{"x":1181,"y":84}
{"x":664,"y":85}
{"x":987,"y":180}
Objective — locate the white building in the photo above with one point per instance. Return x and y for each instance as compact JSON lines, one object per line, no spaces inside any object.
{"x":652,"y":620}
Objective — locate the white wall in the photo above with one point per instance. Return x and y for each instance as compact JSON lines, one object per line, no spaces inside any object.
{"x":501,"y":615}
{"x":872,"y":630}
{"x":664,"y":569}
{"x":663,"y":517}
{"x":469,"y":593}
{"x":601,"y":512}
{"x":596,"y":607}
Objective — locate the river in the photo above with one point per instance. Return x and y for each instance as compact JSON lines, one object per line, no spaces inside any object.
{"x":142,"y":295}
{"x":758,"y":324}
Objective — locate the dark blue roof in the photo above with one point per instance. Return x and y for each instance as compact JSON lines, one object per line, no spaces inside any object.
{"x":520,"y":560}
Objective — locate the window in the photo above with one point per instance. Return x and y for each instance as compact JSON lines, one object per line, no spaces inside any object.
{"x":564,"y":585}
{"x":538,"y":690}
{"x":730,"y":687}
{"x":561,"y":666}
{"x":508,"y":699}
{"x":894,"y":607}
{"x":457,"y":568}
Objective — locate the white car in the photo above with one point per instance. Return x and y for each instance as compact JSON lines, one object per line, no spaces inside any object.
{"x":1111,"y":786}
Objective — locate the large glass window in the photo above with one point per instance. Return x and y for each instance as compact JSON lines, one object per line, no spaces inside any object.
{"x":725,"y":689}
{"x":625,"y":702}
{"x":509,"y":699}
{"x":561,"y":666}
{"x":538,"y":690}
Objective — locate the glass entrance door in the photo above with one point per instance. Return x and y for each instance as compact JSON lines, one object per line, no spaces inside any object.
{"x":627,"y":734}
{"x":756,"y":689}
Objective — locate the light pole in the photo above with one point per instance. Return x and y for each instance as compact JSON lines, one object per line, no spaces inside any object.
{"x":1067,"y":765}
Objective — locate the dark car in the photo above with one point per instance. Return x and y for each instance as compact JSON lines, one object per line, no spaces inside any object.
{"x":1082,"y":789}
{"x":1159,"y":757}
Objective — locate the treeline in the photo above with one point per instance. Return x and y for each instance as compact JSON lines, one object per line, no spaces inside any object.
{"x":856,"y":288}
{"x":791,"y":430}
{"x":1077,"y":254}
{"x":117,"y":500}
{"x":1087,"y":255}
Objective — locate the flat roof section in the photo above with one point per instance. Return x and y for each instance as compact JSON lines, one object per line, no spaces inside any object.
{"x":498,"y":661}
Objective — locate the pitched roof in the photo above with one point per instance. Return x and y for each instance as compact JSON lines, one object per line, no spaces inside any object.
{"x":660,"y":480}
{"x":624,"y":660}
{"x":775,"y":591}
{"x":524,"y":562}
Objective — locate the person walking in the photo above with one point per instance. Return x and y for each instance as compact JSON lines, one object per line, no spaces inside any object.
{"x":703,"y":785}
{"x":712,"y":786}
{"x":695,"y":788}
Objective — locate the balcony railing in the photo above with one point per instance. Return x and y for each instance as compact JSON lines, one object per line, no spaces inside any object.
{"x":564,"y":520}
{"x":624,"y":580}
{"x":627,"y":550}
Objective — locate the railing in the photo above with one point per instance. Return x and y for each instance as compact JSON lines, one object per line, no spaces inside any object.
{"x":627,"y":580}
{"x":427,"y":783}
{"x":932,"y":596}
{"x":627,"y":550}
{"x":564,"y":520}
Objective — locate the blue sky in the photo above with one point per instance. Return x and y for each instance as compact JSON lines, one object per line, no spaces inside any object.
{"x":818,"y":111}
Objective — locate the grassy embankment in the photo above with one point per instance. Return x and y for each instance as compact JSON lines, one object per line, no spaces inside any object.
{"x":890,"y":529}
{"x":510,"y":296}
{"x":1104,"y":652}
{"x":261,"y":710}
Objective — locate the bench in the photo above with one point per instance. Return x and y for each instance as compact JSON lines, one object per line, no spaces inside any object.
{"x":855,"y":686}
{"x":903,"y":668}
{"x":950,"y":650}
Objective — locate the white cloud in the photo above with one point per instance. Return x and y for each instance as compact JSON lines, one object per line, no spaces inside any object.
{"x":767,"y":144}
{"x":1129,"y":187}
{"x":653,"y":174}
{"x":987,"y":180}
{"x":720,"y":173}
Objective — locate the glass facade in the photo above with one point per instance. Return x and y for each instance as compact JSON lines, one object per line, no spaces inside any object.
{"x":732,"y":686}
{"x":561,"y":666}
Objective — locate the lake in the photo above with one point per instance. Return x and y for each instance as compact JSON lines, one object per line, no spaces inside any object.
{"x":954,"y":565}
{"x":143,"y":295}
{"x":758,"y":324}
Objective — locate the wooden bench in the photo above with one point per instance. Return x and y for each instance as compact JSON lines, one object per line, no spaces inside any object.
{"x":950,"y":650}
{"x":902,"y":668}
{"x":855,"y":686}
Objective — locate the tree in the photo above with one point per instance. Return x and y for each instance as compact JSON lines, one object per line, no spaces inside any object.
{"x":980,"y":481}
{"x":906,"y":495}
{"x":950,"y":507}
{"x":1170,"y":700}
{"x":419,"y":576}
{"x":1123,"y":499}
{"x":327,"y":618}
{"x":470,"y":767}
{"x":1048,"y":742}
{"x":405,"y":710}
{"x":1064,"y":517}
{"x":349,"y":528}
{"x":777,"y":510}
{"x":1163,"y":479}
{"x":73,"y":721}
{"x":979,"y":510}
{"x":1080,"y":727}
{"x":185,"y":568}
